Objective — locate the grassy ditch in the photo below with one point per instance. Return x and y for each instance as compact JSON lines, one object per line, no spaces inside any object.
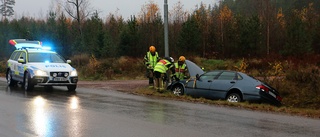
{"x":286,"y":110}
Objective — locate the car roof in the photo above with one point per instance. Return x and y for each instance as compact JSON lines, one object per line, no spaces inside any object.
{"x":27,"y":45}
{"x":36,"y":50}
{"x":223,"y":71}
{"x":40,"y":51}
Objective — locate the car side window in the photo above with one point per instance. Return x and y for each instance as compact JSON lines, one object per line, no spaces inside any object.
{"x":13,"y":55}
{"x":209,"y":75}
{"x":17,"y":56}
{"x":238,"y":77}
{"x":227,"y":76}
{"x":23,"y":55}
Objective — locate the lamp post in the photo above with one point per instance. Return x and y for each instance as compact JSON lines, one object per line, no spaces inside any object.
{"x":166,"y":42}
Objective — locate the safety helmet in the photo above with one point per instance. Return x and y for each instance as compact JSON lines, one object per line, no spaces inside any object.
{"x":182,"y":59}
{"x":152,"y":49}
{"x":170,"y":59}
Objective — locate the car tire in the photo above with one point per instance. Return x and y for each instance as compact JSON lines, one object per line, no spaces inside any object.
{"x":28,"y":86}
{"x":234,"y":97}
{"x":72,"y":87}
{"x":10,"y":81}
{"x":178,"y":90}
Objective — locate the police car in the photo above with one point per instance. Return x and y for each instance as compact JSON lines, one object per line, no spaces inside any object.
{"x":32,"y":64}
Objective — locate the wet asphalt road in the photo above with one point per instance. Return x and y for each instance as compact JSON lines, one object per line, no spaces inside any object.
{"x":102,"y":113}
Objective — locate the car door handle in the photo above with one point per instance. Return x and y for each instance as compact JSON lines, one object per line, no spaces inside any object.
{"x":232,"y":82}
{"x":209,"y":80}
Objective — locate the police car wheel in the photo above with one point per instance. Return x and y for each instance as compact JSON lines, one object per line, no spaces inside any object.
{"x":10,"y":81}
{"x":28,"y":86}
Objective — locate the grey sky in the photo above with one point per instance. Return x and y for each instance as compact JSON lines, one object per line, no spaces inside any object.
{"x":39,"y":8}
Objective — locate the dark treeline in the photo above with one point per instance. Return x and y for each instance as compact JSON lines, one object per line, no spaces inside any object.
{"x":229,"y":29}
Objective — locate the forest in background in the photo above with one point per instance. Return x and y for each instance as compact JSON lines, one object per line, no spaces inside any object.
{"x":229,"y":29}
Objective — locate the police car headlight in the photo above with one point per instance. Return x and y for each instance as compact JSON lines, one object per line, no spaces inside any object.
{"x":40,"y":73}
{"x":74,"y":73}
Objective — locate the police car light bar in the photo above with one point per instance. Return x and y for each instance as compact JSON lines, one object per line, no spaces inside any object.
{"x":23,"y":43}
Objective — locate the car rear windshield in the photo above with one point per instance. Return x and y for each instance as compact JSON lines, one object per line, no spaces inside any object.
{"x":45,"y":57}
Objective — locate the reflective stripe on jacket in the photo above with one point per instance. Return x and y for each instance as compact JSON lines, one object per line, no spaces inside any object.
{"x":162,"y":66}
{"x":180,"y":70}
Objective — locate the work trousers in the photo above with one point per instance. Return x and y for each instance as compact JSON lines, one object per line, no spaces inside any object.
{"x":159,"y":77}
{"x":149,"y":75}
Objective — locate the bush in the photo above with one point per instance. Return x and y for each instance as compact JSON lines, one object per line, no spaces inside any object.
{"x":299,"y":87}
{"x":81,"y":60}
{"x":111,"y":68}
{"x":3,"y":67}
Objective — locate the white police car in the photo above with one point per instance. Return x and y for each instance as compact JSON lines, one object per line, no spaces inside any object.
{"x":30,"y":64}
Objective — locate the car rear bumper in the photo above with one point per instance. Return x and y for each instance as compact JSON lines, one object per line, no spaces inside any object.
{"x":262,"y":97}
{"x":266,"y":97}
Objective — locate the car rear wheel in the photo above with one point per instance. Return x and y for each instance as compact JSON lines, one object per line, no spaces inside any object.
{"x":178,"y":90}
{"x":28,"y":86}
{"x":234,"y":97}
{"x":72,"y":87}
{"x":10,"y":81}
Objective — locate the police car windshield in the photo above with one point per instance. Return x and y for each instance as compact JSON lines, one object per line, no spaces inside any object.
{"x":46,"y":57}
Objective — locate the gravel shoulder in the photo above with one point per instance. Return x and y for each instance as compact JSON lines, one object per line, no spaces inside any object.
{"x":120,"y":85}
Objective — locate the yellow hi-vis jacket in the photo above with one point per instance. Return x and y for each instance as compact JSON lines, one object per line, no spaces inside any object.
{"x":151,"y":60}
{"x":162,"y":66}
{"x":180,"y":70}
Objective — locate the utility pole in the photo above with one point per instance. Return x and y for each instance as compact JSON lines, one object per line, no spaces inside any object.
{"x":166,"y":42}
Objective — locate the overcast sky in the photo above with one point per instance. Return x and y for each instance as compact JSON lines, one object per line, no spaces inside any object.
{"x":39,"y":8}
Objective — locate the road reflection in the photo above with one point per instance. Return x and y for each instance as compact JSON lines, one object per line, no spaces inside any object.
{"x":74,"y":102}
{"x":75,"y":123}
{"x":42,"y":118}
{"x":156,"y":112}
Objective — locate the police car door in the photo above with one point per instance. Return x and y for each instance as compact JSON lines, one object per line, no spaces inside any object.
{"x":21,"y":65}
{"x":13,"y":64}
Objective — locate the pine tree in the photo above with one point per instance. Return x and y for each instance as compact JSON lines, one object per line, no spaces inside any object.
{"x":6,"y":8}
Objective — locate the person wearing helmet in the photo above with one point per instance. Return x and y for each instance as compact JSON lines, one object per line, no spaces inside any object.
{"x":151,"y":59}
{"x":180,"y":69}
{"x":160,"y":72}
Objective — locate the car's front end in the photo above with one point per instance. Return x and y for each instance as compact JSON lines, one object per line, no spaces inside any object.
{"x":53,"y":74}
{"x":178,"y":87}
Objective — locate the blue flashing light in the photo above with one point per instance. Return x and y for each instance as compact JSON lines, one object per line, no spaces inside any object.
{"x":46,"y":48}
{"x":47,"y":45}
